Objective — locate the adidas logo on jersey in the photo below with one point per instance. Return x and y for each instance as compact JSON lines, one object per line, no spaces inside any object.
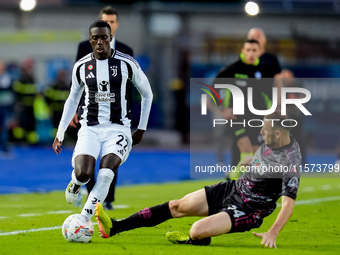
{"x":121,"y":152}
{"x":90,"y":75}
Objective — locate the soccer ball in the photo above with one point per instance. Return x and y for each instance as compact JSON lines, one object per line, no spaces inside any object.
{"x":77,"y":228}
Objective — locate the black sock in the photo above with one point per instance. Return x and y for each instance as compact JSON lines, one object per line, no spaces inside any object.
{"x":147,"y":217}
{"x":205,"y":241}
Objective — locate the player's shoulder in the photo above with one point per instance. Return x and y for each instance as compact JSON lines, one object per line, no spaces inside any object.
{"x":86,"y":58}
{"x":227,"y":70}
{"x":291,"y":153}
{"x":127,"y":58}
{"x":268,"y":55}
{"x":237,"y":66}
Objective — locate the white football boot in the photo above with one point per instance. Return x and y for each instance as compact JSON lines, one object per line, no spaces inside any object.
{"x":71,"y":192}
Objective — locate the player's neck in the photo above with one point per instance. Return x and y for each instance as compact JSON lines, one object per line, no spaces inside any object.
{"x":283,"y":141}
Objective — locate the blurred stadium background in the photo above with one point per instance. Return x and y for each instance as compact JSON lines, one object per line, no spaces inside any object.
{"x":173,"y":41}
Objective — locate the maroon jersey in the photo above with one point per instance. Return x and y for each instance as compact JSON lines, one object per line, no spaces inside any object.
{"x":272,"y":173}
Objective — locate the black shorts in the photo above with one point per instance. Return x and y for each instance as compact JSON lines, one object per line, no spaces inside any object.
{"x":223,"y":197}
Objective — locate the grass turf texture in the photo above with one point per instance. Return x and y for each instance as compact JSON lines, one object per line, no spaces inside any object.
{"x":314,"y":227}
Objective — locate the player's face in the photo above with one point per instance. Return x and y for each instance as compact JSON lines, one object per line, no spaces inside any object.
{"x":112,"y":20}
{"x":268,"y":133}
{"x":100,"y":39}
{"x":251,"y":52}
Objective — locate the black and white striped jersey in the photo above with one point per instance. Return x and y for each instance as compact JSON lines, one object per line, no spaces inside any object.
{"x":107,"y":84}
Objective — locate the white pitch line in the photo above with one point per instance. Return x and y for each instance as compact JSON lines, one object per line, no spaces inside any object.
{"x":32,"y":230}
{"x":314,"y":201}
{"x":28,"y":231}
{"x":326,"y":187}
{"x":59,"y":212}
{"x":317,"y":200}
{"x":29,"y":214}
{"x":308,"y":189}
{"x":121,"y":206}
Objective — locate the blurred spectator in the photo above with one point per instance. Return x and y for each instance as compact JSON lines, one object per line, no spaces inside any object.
{"x":26,"y":91}
{"x":180,"y":85}
{"x":6,"y":106}
{"x":56,"y":95}
{"x":13,"y":70}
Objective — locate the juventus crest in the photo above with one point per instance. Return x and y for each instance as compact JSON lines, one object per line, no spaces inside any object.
{"x":114,"y":70}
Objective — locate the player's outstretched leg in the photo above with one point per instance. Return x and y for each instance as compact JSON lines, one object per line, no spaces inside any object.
{"x":148,"y":217}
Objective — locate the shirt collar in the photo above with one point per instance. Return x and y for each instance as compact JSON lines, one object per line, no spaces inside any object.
{"x":243,"y":59}
{"x":113,"y":42}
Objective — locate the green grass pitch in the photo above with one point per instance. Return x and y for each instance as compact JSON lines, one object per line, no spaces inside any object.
{"x":31,"y":224}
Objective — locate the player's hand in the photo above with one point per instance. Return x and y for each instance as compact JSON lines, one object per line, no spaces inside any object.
{"x":137,"y":136}
{"x":56,"y":146}
{"x":74,"y":121}
{"x":268,"y":239}
{"x":227,"y":113}
{"x":246,"y":161}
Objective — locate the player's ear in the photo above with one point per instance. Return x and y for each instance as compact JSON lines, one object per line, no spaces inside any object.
{"x":110,"y":38}
{"x":277,"y":134}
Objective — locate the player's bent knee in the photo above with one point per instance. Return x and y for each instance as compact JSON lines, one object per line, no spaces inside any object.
{"x":84,"y":167}
{"x":177,"y":209}
{"x":173,"y":206}
{"x":197,"y":232}
{"x":83,"y":176}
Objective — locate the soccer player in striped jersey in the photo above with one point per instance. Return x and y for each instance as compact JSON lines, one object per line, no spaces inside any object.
{"x":106,"y":76}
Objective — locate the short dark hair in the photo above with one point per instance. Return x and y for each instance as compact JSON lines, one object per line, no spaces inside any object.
{"x":278,"y":124}
{"x":252,"y":41}
{"x":108,"y":10}
{"x":100,"y":23}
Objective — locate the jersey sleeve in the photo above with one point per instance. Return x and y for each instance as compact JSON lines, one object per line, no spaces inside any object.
{"x":142,"y":84}
{"x":291,"y":175}
{"x":290,"y":185}
{"x":71,"y":104}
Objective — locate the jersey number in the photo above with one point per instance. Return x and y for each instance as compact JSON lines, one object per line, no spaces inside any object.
{"x":119,"y":142}
{"x":237,"y":213}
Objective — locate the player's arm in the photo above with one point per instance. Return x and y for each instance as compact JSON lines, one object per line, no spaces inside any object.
{"x":269,"y":238}
{"x":143,"y":86}
{"x":246,"y":161}
{"x":70,"y":109}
